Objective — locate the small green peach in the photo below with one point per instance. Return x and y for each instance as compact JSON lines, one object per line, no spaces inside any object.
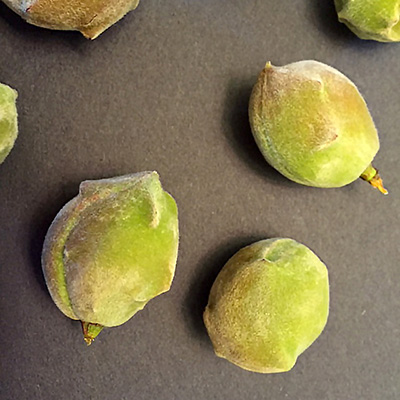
{"x":90,"y":17}
{"x":269,"y":303}
{"x":371,"y":19}
{"x":8,"y":120}
{"x":312,"y":124}
{"x":111,"y":250}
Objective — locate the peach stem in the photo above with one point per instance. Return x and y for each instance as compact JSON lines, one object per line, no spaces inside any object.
{"x":371,"y":175}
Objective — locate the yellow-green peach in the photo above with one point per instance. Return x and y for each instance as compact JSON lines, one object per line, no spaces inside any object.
{"x":90,"y":17}
{"x":111,"y":250}
{"x":312,"y":124}
{"x":371,"y":19}
{"x":8,"y":120}
{"x":269,"y":303}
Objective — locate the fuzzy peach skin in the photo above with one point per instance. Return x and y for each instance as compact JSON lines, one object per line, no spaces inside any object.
{"x":371,"y":19}
{"x":90,"y":17}
{"x":8,"y":120}
{"x":111,"y":250}
{"x":312,"y":124}
{"x":269,"y":303}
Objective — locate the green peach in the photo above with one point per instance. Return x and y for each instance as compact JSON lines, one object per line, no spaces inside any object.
{"x":8,"y":120}
{"x":90,"y":17}
{"x":269,"y":303}
{"x":312,"y":124}
{"x":375,"y":20}
{"x":111,"y":250}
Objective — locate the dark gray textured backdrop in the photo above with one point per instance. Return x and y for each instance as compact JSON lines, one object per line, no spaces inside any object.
{"x":167,"y":89}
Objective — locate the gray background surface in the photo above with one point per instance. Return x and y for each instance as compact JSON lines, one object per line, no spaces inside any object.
{"x":167,"y":89}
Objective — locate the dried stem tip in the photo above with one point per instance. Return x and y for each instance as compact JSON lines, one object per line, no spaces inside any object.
{"x":90,"y":331}
{"x":371,"y":175}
